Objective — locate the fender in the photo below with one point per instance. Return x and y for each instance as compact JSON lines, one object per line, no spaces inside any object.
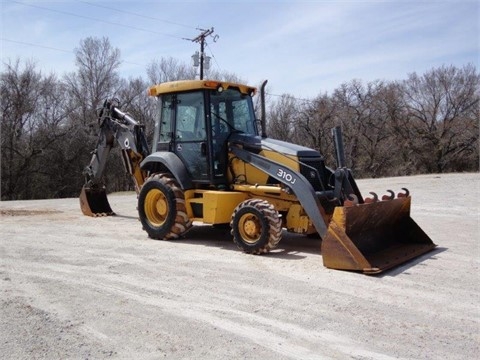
{"x":167,"y":161}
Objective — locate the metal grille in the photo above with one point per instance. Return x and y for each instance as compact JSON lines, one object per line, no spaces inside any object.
{"x":314,"y":171}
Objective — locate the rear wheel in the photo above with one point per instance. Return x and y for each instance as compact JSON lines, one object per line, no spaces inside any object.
{"x":161,"y":208}
{"x":256,"y":226}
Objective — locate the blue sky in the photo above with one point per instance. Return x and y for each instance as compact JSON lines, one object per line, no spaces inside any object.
{"x":304,"y":48}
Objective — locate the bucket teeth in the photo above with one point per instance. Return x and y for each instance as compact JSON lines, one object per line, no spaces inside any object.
{"x":373,"y":199}
{"x":403,"y":195}
{"x":388,"y":197}
{"x":351,"y":200}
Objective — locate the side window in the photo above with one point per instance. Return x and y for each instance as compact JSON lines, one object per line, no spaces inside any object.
{"x":190,"y":117}
{"x":241,"y":116}
{"x":219,"y":118}
{"x":166,"y":119}
{"x":234,"y":108}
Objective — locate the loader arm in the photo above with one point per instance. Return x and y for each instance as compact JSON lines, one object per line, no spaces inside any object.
{"x":116,"y":127}
{"x":362,"y":234}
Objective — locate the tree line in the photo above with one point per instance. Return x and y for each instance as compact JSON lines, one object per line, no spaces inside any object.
{"x":426,"y":123}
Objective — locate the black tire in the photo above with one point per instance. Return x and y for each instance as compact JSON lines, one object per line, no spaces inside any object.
{"x":161,"y":208}
{"x":256,"y":226}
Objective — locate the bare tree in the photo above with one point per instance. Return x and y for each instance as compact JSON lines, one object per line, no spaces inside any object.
{"x":352,"y":101}
{"x":169,"y":69}
{"x":19,"y":90}
{"x":281,"y":118}
{"x":313,"y":126}
{"x":95,"y":80}
{"x":96,"y":77}
{"x":394,"y":157}
{"x":32,"y":124}
{"x":364,"y":113}
{"x":375,"y":133}
{"x":442,"y":120}
{"x":224,"y":76}
{"x":134,"y":99}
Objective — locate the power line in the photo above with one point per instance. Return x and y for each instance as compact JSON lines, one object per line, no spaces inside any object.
{"x":213,"y":56}
{"x":94,"y":19}
{"x":133,"y":63}
{"x":136,"y":14}
{"x":293,"y":97}
{"x":57,"y":49}
{"x":36,"y":45}
{"x":105,"y":22}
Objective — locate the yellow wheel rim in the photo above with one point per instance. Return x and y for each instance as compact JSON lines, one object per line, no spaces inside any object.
{"x":250,"y":228}
{"x":156,"y":207}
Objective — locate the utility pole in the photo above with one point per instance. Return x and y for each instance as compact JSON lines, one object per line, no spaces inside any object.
{"x":201,"y":39}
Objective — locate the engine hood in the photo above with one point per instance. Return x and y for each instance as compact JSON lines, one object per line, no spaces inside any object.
{"x":257,"y":144}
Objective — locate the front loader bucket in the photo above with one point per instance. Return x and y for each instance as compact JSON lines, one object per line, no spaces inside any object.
{"x":373,"y":237}
{"x":94,"y":202}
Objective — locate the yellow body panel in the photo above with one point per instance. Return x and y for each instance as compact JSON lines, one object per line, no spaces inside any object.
{"x":274,"y":194}
{"x":188,"y":85}
{"x":295,"y":218}
{"x":133,"y":164}
{"x":298,"y":222}
{"x":289,"y":161}
{"x":215,"y":207}
{"x":246,"y":173}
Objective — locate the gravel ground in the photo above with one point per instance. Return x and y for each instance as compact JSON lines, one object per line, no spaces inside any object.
{"x":75,"y":287}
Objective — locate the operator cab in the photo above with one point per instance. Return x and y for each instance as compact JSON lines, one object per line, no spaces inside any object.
{"x":196,"y":119}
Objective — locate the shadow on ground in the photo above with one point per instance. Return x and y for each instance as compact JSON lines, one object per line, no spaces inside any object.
{"x":291,"y":247}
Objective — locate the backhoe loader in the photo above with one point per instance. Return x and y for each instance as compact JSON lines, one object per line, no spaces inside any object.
{"x":212,"y":162}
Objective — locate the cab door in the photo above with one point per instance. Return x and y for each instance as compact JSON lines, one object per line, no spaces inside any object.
{"x":190,"y":135}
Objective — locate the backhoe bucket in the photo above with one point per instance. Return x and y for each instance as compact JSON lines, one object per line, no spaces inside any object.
{"x":373,"y":237}
{"x":94,"y":202}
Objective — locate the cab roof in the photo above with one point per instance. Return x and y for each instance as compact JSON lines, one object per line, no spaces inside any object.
{"x":189,"y":85}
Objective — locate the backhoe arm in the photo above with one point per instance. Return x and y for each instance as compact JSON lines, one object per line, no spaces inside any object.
{"x":115,"y":127}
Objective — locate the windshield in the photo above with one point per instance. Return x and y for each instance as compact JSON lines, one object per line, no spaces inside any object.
{"x":232,"y":110}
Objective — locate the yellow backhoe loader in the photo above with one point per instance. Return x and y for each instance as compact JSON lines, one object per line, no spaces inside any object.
{"x":212,"y":162}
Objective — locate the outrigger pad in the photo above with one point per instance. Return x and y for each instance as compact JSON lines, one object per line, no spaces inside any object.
{"x":373,"y":237}
{"x":94,"y":202}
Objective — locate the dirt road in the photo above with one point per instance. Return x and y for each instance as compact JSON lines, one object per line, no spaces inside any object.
{"x":93,"y":288}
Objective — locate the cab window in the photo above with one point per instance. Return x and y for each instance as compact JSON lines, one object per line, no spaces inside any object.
{"x":190,"y":117}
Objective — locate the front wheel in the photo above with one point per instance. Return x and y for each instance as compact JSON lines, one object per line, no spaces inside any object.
{"x":161,"y":208}
{"x":256,"y":226}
